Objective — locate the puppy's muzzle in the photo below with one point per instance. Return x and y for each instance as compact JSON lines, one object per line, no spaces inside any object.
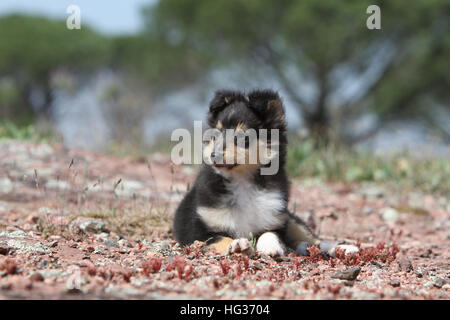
{"x":218,"y":161}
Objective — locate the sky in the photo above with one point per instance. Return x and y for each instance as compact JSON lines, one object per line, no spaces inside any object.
{"x":109,"y":17}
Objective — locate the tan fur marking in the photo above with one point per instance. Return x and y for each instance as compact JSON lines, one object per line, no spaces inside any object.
{"x":222,"y":246}
{"x":274,"y":103}
{"x":241,"y":126}
{"x":219,"y":125}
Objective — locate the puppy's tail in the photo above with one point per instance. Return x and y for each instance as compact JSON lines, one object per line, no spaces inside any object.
{"x":297,"y":231}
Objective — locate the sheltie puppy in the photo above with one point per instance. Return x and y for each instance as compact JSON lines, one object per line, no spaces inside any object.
{"x":233,"y":202}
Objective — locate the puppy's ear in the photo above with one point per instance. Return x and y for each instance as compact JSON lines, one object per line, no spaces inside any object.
{"x":268,"y":106}
{"x":221,"y":100}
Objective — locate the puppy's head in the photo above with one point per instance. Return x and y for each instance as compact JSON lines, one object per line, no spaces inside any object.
{"x":243,"y":140}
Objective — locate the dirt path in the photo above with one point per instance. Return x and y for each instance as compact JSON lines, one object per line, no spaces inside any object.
{"x":75,"y":224}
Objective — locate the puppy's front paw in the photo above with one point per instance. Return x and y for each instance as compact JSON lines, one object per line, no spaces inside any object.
{"x":241,"y":245}
{"x":269,"y":244}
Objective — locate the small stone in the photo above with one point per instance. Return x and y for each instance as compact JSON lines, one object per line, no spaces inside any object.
{"x":376,"y":264}
{"x":426,"y":253}
{"x":390,"y":215}
{"x":26,"y":247}
{"x":419,"y":272}
{"x":405,"y":265}
{"x":165,"y":245}
{"x":37,"y":277}
{"x":258,"y":266}
{"x":74,"y":245}
{"x":439,"y":283}
{"x":395,"y":283}
{"x":4,"y":250}
{"x":110,"y":243}
{"x":14,"y":234}
{"x":90,"y":226}
{"x":32,"y":218}
{"x":51,"y":273}
{"x":123,"y":242}
{"x":6,"y":286}
{"x":6,"y":186}
{"x":349,"y":274}
{"x":42,"y":264}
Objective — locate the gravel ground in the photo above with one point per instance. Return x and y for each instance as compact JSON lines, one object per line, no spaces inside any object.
{"x":80,"y":225}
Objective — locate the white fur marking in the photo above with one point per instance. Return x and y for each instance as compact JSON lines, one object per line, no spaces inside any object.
{"x":247,"y":209}
{"x":348,"y":248}
{"x":269,"y":244}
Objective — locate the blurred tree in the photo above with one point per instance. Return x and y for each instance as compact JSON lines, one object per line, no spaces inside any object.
{"x":320,"y":52}
{"x":33,"y":48}
{"x":150,"y":58}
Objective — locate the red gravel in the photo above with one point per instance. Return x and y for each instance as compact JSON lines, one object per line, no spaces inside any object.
{"x":48,"y":251}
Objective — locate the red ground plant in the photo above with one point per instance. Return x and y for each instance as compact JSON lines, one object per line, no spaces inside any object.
{"x":315,"y":254}
{"x":184,"y":269}
{"x":126,"y":275}
{"x":151,"y":266}
{"x":380,"y":252}
{"x":225,"y":266}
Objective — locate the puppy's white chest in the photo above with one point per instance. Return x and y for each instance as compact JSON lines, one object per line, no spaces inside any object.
{"x":246,"y":209}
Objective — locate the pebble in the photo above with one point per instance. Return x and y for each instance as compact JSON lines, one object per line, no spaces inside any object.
{"x":426,"y":253}
{"x":110,"y":243}
{"x":4,"y":250}
{"x":349,"y":274}
{"x":90,"y":225}
{"x":395,"y":283}
{"x":37,"y":277}
{"x":14,"y":234}
{"x":390,"y":215}
{"x":6,"y":186}
{"x":439,"y":283}
{"x":42,"y":264}
{"x":405,"y":265}
{"x":419,"y":272}
{"x":28,"y":247}
{"x":51,"y":273}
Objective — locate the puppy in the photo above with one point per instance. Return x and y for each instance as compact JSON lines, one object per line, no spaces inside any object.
{"x":233,"y":201}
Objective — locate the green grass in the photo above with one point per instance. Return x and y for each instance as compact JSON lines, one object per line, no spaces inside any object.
{"x":27,"y":131}
{"x":337,"y":163}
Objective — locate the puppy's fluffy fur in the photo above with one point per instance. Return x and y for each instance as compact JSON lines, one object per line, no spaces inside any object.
{"x":228,"y":203}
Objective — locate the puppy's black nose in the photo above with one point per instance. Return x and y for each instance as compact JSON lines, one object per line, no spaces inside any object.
{"x":213,"y":155}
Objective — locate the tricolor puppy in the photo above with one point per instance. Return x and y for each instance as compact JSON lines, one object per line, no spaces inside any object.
{"x":234,"y":198}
